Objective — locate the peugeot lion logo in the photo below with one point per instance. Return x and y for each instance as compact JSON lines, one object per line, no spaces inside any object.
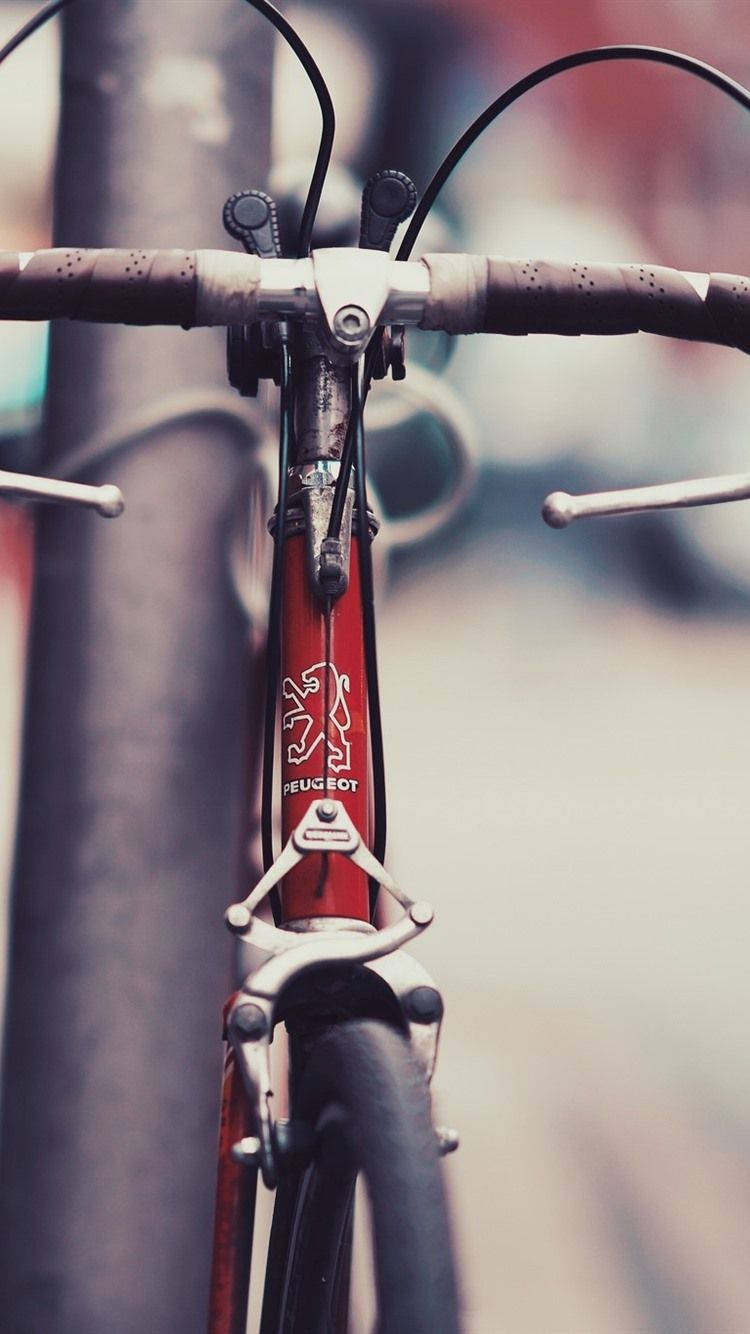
{"x":307,"y":740}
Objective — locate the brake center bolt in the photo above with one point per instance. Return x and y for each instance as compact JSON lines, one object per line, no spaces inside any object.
{"x":250,"y":1021}
{"x":326,"y":810}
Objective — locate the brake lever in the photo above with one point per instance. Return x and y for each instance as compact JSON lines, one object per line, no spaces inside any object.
{"x":561,"y":509}
{"x":107,"y":500}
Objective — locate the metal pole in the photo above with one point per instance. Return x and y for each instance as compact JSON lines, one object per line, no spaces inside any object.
{"x":133,"y":778}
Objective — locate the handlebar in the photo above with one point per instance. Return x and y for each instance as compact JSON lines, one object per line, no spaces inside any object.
{"x":472,"y":294}
{"x":454,"y":293}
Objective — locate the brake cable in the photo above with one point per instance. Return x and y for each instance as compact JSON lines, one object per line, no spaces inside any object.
{"x":367,"y":594}
{"x":293,"y":39}
{"x":35,"y":22}
{"x":593,"y":55}
{"x":273,"y":642}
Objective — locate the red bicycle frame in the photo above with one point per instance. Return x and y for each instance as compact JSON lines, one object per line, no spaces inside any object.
{"x":324,"y":749}
{"x":324,"y":733}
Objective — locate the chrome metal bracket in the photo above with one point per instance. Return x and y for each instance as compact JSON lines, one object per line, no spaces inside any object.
{"x":316,"y":498}
{"x":353,"y":287}
{"x":326,"y":827}
{"x":287,"y":288}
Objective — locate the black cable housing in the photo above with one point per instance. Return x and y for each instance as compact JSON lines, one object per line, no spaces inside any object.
{"x":273,"y":647}
{"x":367,"y":591}
{"x":328,"y":129}
{"x":350,"y":445}
{"x":656,"y":54}
{"x":34,"y":23}
{"x":305,"y":58}
{"x":595,"y":55}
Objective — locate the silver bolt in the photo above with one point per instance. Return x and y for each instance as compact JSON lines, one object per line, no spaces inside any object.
{"x":246,"y":1151}
{"x":237,"y":917}
{"x":326,"y":810}
{"x":317,"y":478}
{"x":249,"y":1020}
{"x":351,"y":323}
{"x":421,"y":913}
{"x":447,"y":1139}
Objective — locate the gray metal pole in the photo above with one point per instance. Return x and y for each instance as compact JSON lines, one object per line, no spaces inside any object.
{"x":134,"y":763}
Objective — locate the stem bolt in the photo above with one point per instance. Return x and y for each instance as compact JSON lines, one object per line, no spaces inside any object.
{"x":351,"y":324}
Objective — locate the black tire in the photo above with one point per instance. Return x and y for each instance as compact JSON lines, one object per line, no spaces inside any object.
{"x":370,"y":1108}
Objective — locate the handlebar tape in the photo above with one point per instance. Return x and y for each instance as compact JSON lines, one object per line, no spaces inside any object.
{"x":482,"y":294}
{"x":129,"y":286}
{"x":468,"y":293}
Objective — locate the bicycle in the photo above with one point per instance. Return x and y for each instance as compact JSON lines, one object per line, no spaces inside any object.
{"x":363,"y":1016}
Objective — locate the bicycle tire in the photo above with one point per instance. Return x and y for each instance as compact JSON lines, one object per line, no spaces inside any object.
{"x":369,"y":1105}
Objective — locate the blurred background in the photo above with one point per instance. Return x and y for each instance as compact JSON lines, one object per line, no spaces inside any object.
{"x":566,"y":713}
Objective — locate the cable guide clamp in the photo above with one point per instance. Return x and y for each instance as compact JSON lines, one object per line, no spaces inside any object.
{"x":327,"y":557}
{"x":327,"y":827}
